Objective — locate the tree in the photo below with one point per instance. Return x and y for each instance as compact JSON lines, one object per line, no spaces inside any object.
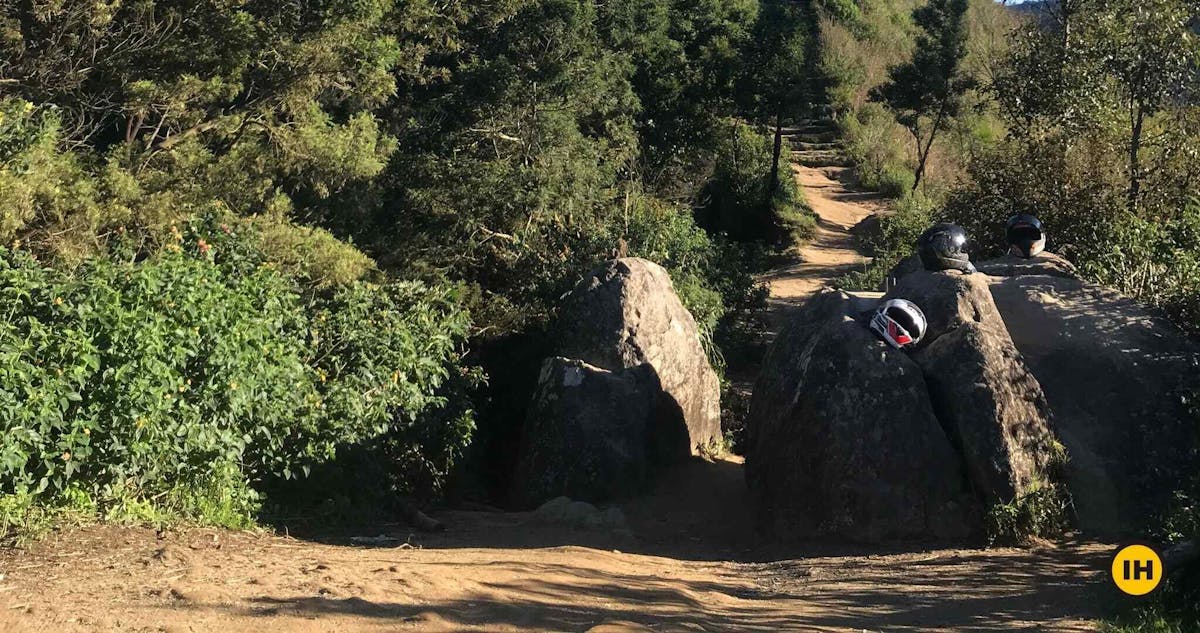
{"x":1085,"y":68}
{"x":1148,"y":49}
{"x":930,"y":87}
{"x":1049,"y":85}
{"x":776,"y":73}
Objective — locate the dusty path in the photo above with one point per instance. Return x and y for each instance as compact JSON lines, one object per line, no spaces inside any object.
{"x":505,"y":572}
{"x":832,"y":252}
{"x":689,"y":561}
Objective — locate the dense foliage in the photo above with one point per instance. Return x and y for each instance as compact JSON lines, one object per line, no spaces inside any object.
{"x":190,"y":375}
{"x":750,"y":196}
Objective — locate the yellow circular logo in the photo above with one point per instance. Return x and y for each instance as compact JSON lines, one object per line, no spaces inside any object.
{"x":1137,"y":569}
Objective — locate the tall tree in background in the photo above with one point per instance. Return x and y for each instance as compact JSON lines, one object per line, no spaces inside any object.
{"x":1049,"y":86}
{"x":1151,"y":55}
{"x":775,"y":78}
{"x":926,"y":92}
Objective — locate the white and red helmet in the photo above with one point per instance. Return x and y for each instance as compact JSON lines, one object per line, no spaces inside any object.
{"x":899,"y":322}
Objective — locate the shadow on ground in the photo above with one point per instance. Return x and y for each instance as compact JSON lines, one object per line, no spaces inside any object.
{"x":980,"y":591}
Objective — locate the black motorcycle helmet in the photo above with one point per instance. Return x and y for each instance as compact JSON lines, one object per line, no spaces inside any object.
{"x":1025,"y":236}
{"x":944,"y":247}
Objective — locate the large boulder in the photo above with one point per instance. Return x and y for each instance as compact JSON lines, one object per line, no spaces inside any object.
{"x":842,"y":437}
{"x":949,"y":300}
{"x":986,"y":398}
{"x":1006,"y":266}
{"x":1121,"y":380}
{"x":625,"y":314}
{"x":903,"y":268}
{"x":587,"y":433}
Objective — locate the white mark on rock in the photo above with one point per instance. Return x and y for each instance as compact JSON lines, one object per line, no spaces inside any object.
{"x":573,"y":377}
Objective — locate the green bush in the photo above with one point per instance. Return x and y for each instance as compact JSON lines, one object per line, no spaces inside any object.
{"x":876,"y":146}
{"x":42,"y":186}
{"x":312,"y":254}
{"x":791,"y":212}
{"x":1150,"y":619}
{"x":191,"y":376}
{"x":736,"y":200}
{"x":895,"y":240}
{"x":846,"y":11}
{"x":894,"y":180}
{"x":1042,"y":512}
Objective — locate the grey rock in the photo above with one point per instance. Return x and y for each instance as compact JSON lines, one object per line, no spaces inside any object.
{"x":949,"y":299}
{"x":587,"y":433}
{"x":564,"y":511}
{"x":1121,"y":380}
{"x":626,"y":314}
{"x":843,"y":440}
{"x":990,"y":404}
{"x":1043,"y":264}
{"x":902,"y":269}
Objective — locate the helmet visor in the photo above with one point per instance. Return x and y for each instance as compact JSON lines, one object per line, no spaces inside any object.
{"x":905,"y":321}
{"x":898,"y":333}
{"x":1024,"y":233}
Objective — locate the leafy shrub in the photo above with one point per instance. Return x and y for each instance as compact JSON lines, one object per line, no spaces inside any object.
{"x":845,"y":11}
{"x":876,"y":146}
{"x":1149,"y":619}
{"x":42,"y":185}
{"x":312,"y":254}
{"x":895,"y":240}
{"x":736,"y":197}
{"x":893,"y":179}
{"x":190,"y":376}
{"x":1042,"y":512}
{"x":1157,"y":260}
{"x":792,"y":214}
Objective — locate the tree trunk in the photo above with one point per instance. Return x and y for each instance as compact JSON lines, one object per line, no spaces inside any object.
{"x":923,"y":154}
{"x":920,"y":173}
{"x":1135,"y":150}
{"x":773,"y":179}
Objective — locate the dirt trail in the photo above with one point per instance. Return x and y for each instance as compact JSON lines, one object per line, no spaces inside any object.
{"x":509,"y":572}
{"x":832,"y":252}
{"x":690,"y":559}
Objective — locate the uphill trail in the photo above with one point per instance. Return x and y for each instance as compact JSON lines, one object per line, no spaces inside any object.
{"x":826,"y":180}
{"x":687,"y":558}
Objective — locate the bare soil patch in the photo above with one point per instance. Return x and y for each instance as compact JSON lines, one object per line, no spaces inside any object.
{"x":832,"y":252}
{"x":509,"y":572}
